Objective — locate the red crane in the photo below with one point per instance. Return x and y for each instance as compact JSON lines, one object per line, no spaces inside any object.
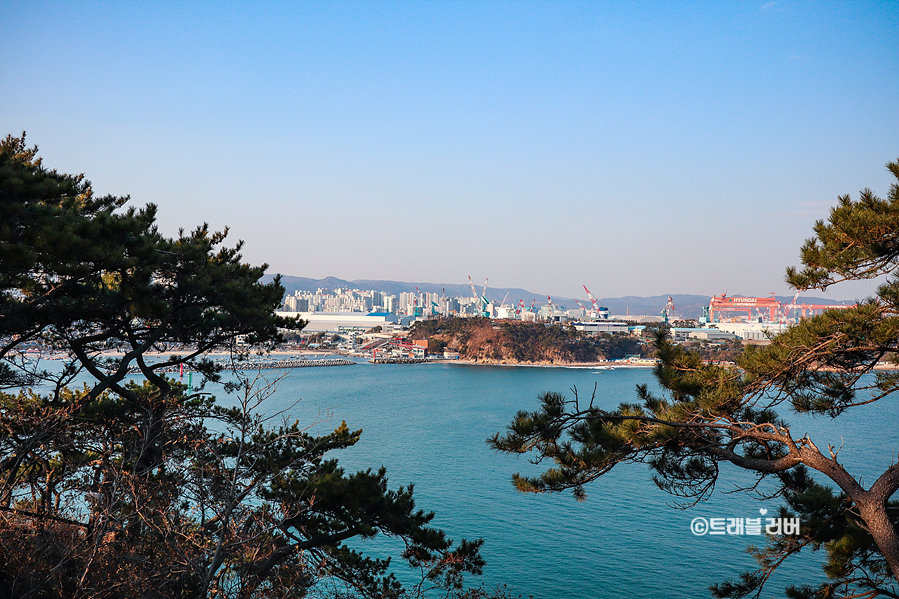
{"x":592,"y":299}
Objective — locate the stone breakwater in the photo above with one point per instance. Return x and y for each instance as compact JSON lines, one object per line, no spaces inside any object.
{"x":263,"y":365}
{"x":400,"y":360}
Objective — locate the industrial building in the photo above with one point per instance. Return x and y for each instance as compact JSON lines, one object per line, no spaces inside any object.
{"x":707,"y":334}
{"x":753,"y":331}
{"x":601,"y":326}
{"x":338,"y":322}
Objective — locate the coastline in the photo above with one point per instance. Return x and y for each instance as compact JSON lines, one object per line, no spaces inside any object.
{"x":585,"y":365}
{"x":319,"y":354}
{"x":311,"y":353}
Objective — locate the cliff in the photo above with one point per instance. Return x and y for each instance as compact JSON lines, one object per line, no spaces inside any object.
{"x":511,"y":342}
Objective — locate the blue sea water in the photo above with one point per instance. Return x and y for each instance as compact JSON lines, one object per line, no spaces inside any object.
{"x":428,"y":424}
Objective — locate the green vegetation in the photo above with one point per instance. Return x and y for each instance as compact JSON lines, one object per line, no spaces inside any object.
{"x":114,"y":488}
{"x":516,"y":342}
{"x":710,"y":416}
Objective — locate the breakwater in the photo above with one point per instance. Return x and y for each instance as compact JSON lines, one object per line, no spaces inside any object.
{"x":278,"y":364}
{"x":262,"y":365}
{"x":399,"y":360}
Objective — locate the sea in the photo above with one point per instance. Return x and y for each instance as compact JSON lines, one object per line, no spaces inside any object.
{"x":428,"y":425}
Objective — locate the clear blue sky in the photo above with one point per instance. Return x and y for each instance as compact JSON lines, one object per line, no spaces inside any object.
{"x":640,"y":148}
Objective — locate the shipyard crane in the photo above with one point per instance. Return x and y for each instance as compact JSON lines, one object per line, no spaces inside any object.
{"x":599,"y":311}
{"x":791,"y":306}
{"x":484,"y":310}
{"x":724,"y":304}
{"x":592,"y":299}
{"x":668,"y":312}
{"x":474,"y":293}
{"x":483,"y":297}
{"x":416,"y":309}
{"x":586,"y":311}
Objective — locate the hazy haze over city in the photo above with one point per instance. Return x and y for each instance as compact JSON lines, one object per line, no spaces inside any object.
{"x":638,"y":148}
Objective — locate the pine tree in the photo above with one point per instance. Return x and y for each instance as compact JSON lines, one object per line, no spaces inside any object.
{"x":709,"y":416}
{"x":147,"y":488}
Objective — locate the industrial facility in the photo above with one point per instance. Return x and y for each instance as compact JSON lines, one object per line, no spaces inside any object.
{"x":352,"y":310}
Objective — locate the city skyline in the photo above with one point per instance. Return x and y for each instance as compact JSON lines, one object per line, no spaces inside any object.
{"x":332,"y":295}
{"x":294,"y":284}
{"x":638,"y":149}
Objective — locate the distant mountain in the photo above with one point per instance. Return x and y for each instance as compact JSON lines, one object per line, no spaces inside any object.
{"x":292,"y":284}
{"x":685,"y":305}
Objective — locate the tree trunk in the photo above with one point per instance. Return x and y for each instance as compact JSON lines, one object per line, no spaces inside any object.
{"x":875,"y":515}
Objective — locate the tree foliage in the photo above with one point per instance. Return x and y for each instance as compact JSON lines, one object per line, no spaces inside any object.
{"x":118,"y":481}
{"x":709,"y":416}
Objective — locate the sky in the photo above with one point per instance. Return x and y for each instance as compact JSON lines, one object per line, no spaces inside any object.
{"x":637,"y":148}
